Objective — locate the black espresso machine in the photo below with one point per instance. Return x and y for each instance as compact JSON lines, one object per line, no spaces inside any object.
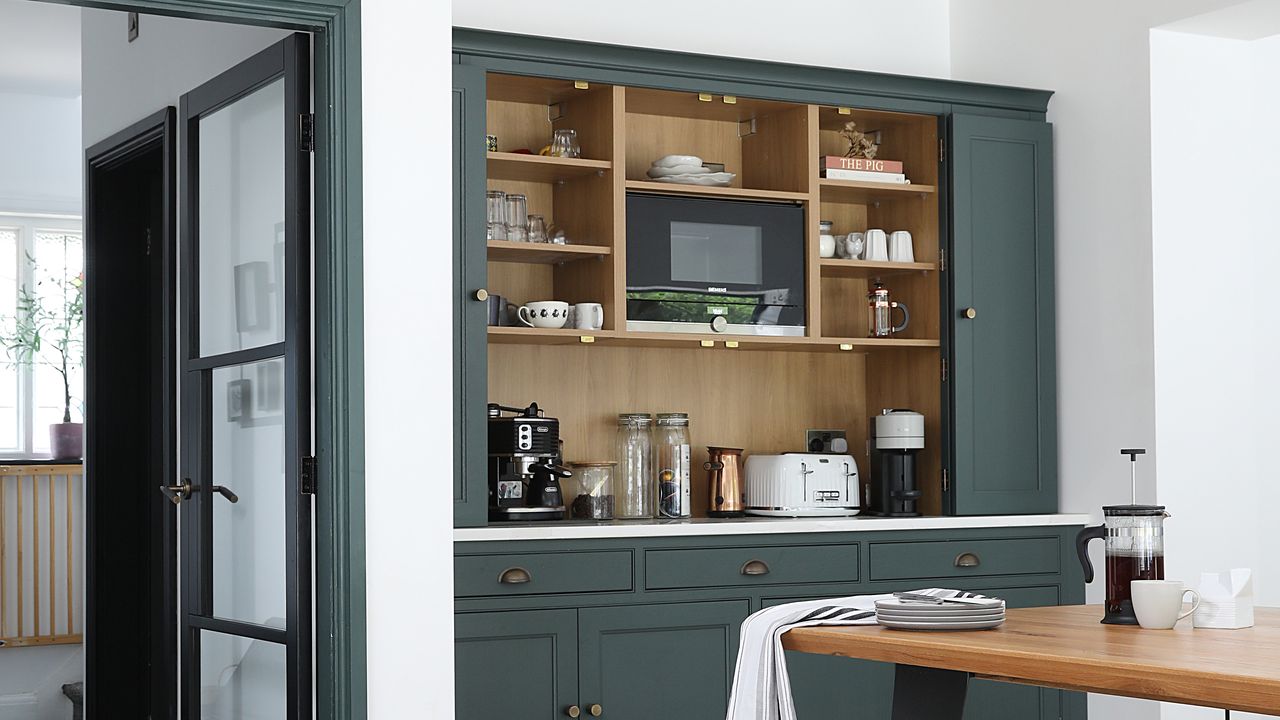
{"x":525,"y":467}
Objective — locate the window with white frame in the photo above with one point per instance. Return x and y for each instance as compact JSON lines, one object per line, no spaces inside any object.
{"x":41,"y":266}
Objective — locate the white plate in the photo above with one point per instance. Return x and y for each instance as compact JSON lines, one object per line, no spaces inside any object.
{"x":961,"y":613}
{"x":975,"y":625}
{"x":657,"y":172}
{"x":708,"y":179}
{"x":957,"y":603}
{"x":949,"y":620}
{"x":674,"y":160}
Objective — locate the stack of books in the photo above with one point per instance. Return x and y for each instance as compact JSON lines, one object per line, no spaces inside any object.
{"x":837,"y":167}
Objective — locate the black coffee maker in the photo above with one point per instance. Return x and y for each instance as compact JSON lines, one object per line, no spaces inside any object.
{"x":897,"y":437}
{"x":525,"y":466}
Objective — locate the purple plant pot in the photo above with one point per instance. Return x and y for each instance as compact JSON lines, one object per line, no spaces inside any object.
{"x":66,"y":441}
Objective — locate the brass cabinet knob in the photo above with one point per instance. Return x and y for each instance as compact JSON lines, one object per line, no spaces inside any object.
{"x":596,"y":710}
{"x":573,"y":711}
{"x":967,"y":560}
{"x":971,"y":313}
{"x":481,"y":295}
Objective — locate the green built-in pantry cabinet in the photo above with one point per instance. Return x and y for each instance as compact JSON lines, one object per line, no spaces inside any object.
{"x":641,"y":648}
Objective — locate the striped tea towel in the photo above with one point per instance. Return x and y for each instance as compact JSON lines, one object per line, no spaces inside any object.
{"x":761,"y":687}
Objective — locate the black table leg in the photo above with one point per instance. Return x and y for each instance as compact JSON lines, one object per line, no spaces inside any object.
{"x":921,"y":693}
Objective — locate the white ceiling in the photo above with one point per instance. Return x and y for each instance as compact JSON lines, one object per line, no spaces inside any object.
{"x":40,"y":48}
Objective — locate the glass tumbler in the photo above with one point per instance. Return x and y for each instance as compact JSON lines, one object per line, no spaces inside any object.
{"x":517,"y":217}
{"x":537,"y":229}
{"x":592,"y":490}
{"x":564,"y":143}
{"x":497,"y":214}
{"x":633,"y":481}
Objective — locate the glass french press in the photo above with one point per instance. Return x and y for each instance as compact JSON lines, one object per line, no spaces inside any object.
{"x":1134,"y":537}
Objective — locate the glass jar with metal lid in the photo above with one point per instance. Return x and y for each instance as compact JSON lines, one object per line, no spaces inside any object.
{"x":633,"y":481}
{"x":672,"y":465}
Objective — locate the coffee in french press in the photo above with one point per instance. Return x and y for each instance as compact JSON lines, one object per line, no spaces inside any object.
{"x":1134,"y":537}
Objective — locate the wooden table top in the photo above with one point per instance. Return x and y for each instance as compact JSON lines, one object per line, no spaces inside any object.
{"x":1067,"y":648}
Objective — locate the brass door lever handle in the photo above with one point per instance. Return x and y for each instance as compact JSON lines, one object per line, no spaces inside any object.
{"x":177,"y":493}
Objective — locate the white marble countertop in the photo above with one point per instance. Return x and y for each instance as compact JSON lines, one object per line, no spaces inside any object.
{"x":578,"y":529}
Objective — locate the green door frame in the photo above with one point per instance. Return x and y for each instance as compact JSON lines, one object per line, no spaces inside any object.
{"x":339,"y":326}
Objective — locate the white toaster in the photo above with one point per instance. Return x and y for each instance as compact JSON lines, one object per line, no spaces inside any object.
{"x":802,"y":485}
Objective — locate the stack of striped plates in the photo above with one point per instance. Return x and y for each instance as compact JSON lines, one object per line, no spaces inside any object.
{"x":950,"y":614}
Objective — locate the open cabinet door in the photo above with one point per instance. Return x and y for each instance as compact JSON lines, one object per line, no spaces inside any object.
{"x":1003,"y":379}
{"x":246,"y":588}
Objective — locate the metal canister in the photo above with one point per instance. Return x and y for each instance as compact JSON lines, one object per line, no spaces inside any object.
{"x":671,"y":464}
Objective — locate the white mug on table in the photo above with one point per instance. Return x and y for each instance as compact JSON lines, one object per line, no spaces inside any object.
{"x":1158,"y":603}
{"x":588,"y":316}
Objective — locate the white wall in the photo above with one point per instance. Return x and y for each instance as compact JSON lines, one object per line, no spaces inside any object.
{"x":40,"y":160}
{"x":907,"y":37}
{"x":1215,"y":330}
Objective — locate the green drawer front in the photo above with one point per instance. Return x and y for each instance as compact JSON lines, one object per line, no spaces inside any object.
{"x":547,"y":573}
{"x":954,"y":558}
{"x":725,"y":567}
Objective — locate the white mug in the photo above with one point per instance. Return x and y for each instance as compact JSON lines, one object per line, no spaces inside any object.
{"x":900,"y":247}
{"x":544,"y":314}
{"x":877,"y":246}
{"x":588,"y":316}
{"x":1158,"y":603}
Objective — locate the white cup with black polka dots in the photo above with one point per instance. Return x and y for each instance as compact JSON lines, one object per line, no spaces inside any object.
{"x":544,"y":314}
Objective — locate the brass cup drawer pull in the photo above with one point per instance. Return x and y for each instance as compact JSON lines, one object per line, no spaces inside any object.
{"x":514,"y":576}
{"x":968,"y":560}
{"x":755,"y":567}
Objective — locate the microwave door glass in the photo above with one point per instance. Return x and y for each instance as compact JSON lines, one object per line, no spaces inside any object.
{"x":716,"y":254}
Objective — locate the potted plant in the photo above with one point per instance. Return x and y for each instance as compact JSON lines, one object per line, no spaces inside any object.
{"x":48,"y":329}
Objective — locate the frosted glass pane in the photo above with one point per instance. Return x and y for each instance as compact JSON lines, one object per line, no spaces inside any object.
{"x":58,"y":271}
{"x":248,"y":458}
{"x":242,"y":191}
{"x":241,"y":678}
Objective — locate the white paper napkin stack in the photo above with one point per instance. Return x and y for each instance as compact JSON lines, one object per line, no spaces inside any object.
{"x":1226,"y":600}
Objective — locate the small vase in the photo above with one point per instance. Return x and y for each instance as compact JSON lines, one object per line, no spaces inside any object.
{"x":66,"y":441}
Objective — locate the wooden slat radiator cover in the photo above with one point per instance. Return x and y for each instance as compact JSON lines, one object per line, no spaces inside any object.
{"x":41,"y":544}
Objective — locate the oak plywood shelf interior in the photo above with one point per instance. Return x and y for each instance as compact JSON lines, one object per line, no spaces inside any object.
{"x":586,"y":377}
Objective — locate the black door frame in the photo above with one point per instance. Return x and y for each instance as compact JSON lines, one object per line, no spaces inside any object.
{"x":156,"y":131}
{"x":340,"y":624}
{"x":287,"y":60}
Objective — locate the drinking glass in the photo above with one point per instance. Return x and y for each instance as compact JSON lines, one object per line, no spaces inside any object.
{"x":517,"y":217}
{"x":564,"y":143}
{"x":497,"y":217}
{"x":537,"y":229}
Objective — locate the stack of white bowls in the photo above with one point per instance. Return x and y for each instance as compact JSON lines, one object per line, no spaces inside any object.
{"x":687,"y":170}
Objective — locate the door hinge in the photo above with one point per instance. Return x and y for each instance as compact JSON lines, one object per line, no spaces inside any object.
{"x":308,"y":480}
{"x":942,"y":150}
{"x":942,"y":260}
{"x":307,"y":132}
{"x":944,"y":369}
{"x":946,"y":481}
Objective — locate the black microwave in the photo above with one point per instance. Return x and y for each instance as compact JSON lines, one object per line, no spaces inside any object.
{"x":712,"y":265}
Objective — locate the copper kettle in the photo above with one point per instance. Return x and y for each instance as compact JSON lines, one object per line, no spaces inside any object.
{"x":724,"y":482}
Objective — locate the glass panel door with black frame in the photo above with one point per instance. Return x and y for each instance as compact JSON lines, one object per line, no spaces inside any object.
{"x":245,"y":414}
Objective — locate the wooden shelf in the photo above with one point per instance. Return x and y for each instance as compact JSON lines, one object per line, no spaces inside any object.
{"x":732,"y":192}
{"x":838,"y":267}
{"x":543,"y":253}
{"x":541,"y":168}
{"x":860,"y":192}
{"x":565,"y":336}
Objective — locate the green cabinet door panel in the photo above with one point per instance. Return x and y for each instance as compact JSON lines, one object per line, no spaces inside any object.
{"x":674,"y":660}
{"x":470,"y":351}
{"x":1003,"y":380}
{"x":515,"y":665}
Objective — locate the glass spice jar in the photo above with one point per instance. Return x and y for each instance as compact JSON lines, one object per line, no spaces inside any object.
{"x":671,"y":465}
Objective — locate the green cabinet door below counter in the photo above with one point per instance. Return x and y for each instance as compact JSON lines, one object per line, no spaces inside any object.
{"x":519,"y":665}
{"x":642,"y":662}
